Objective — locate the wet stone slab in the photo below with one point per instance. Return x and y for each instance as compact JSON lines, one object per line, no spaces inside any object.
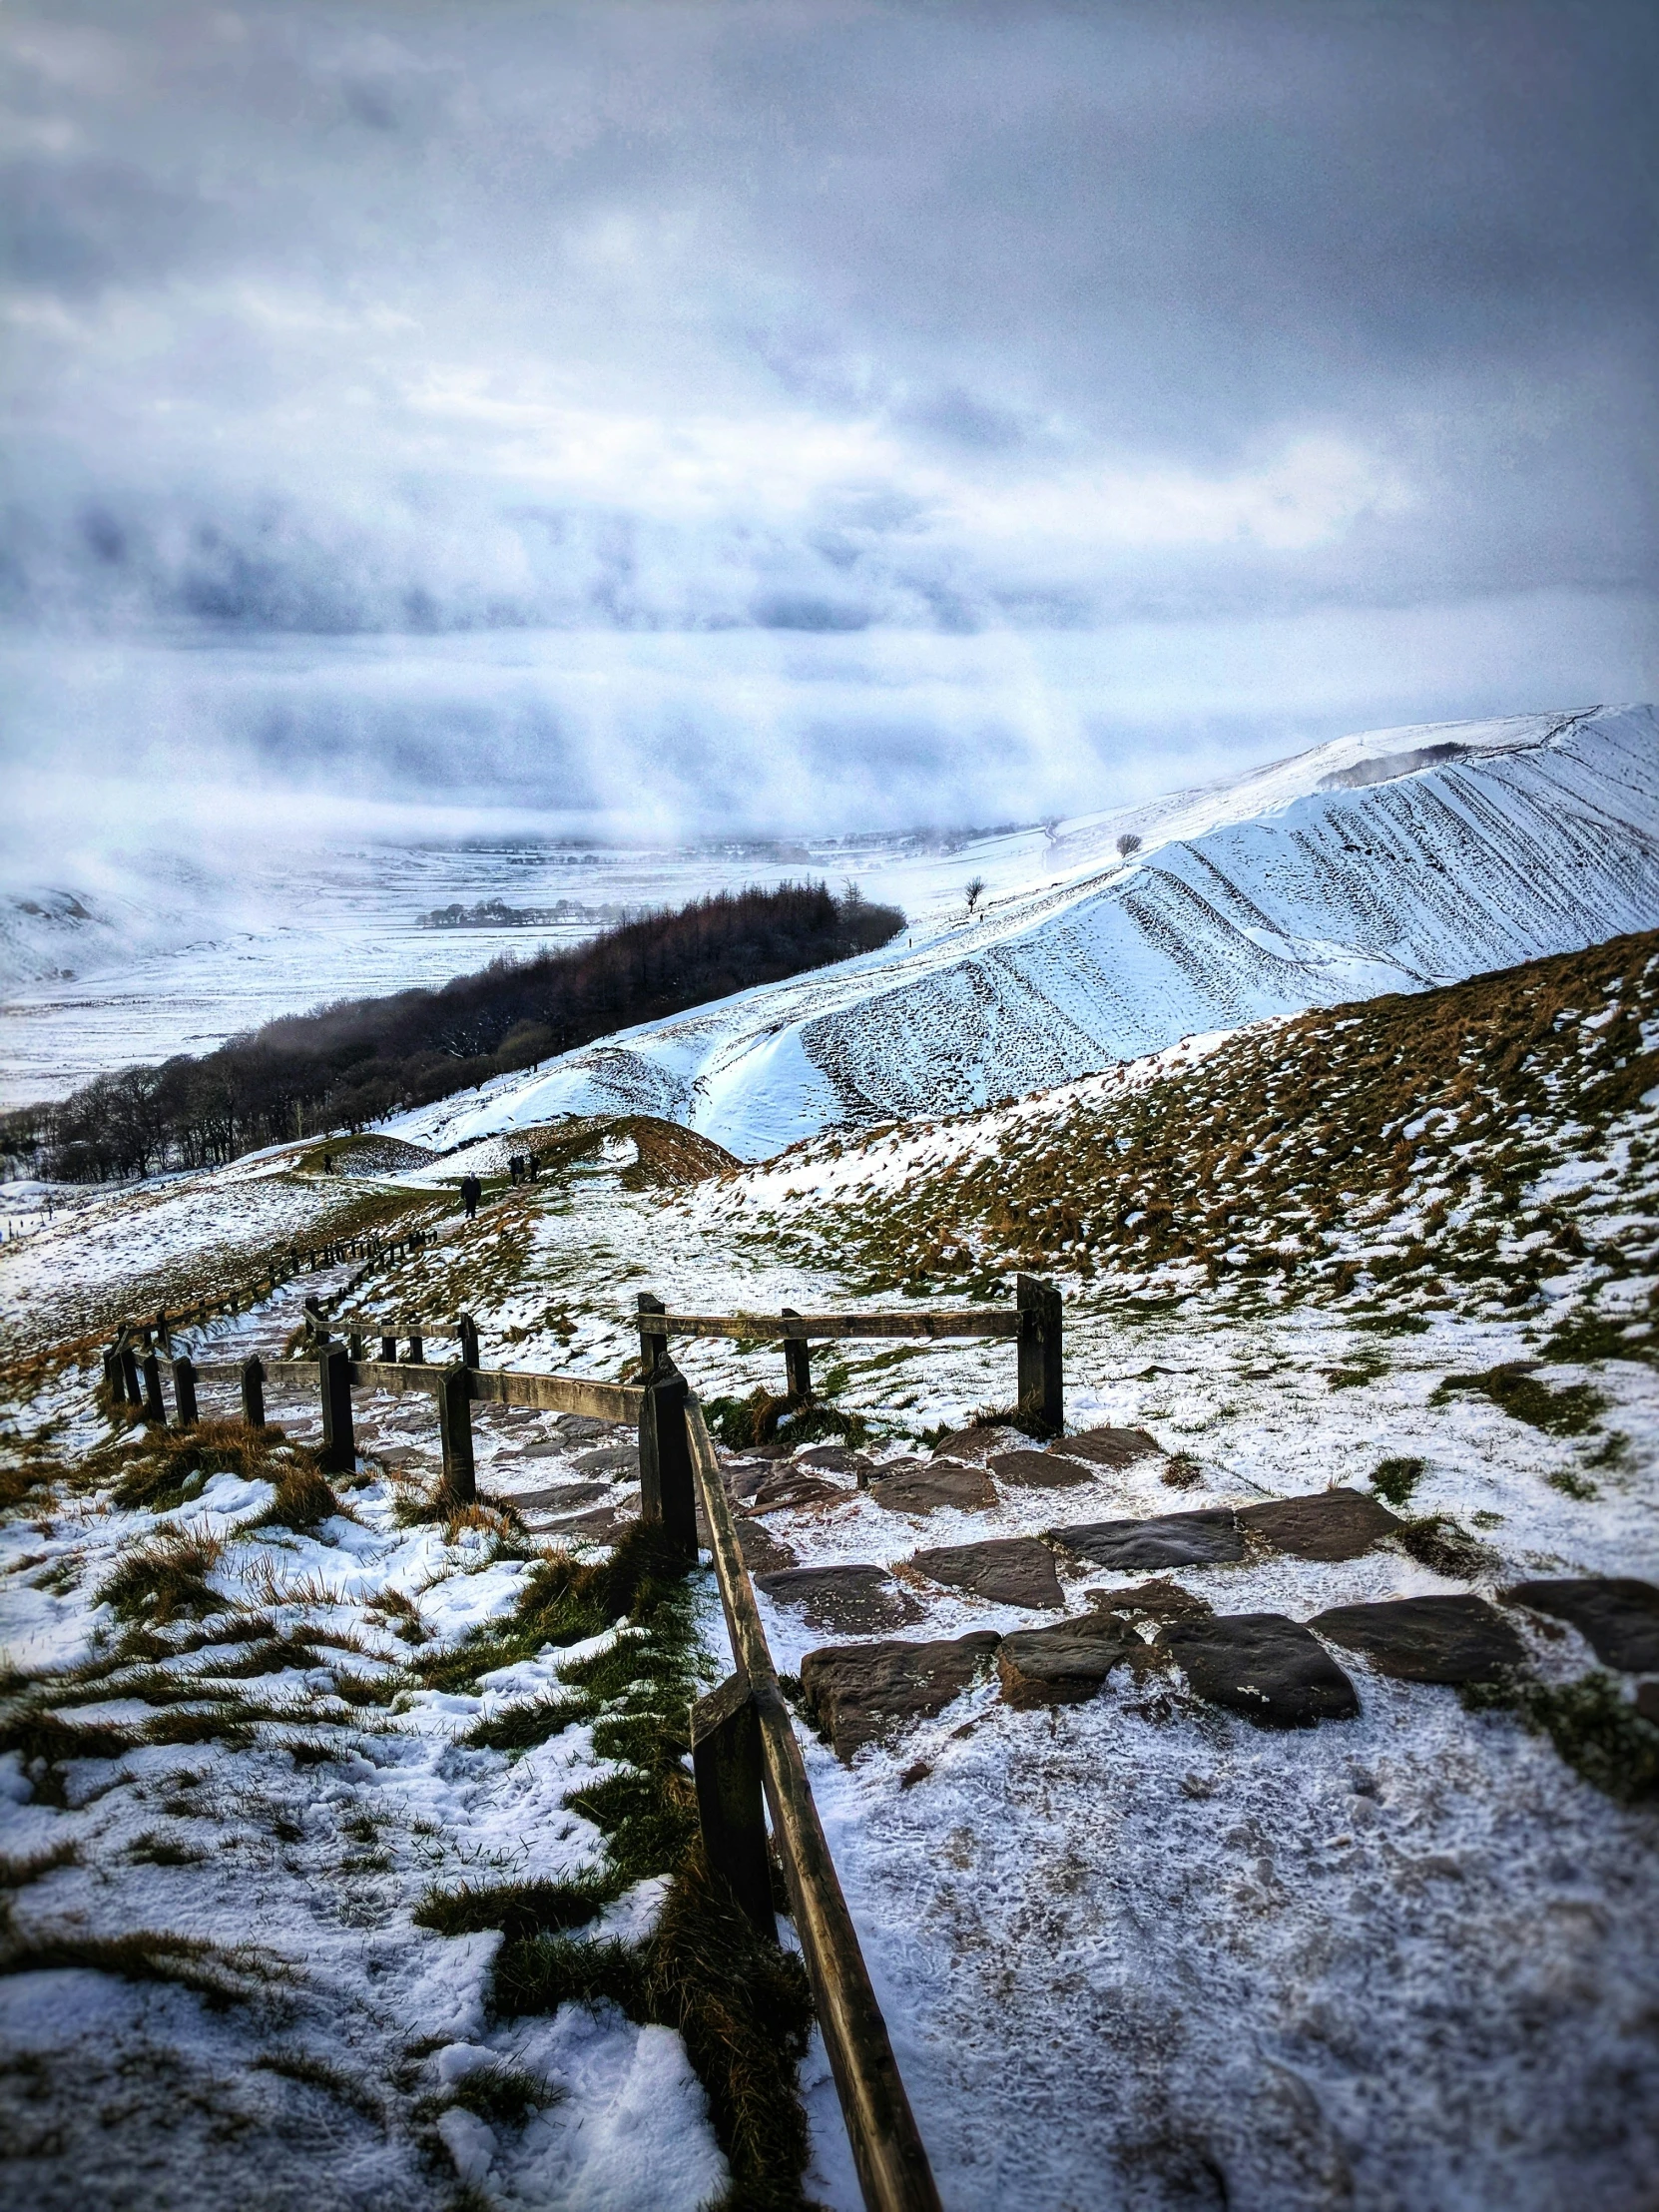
{"x":557,"y":1498}
{"x":616,"y":1462}
{"x":763,"y":1552}
{"x":1157,"y":1600}
{"x":853,"y":1601}
{"x":1336,"y":1524}
{"x":1618,"y":1616}
{"x":1109,"y":1447}
{"x":1209,"y":1538}
{"x":1068,"y":1663}
{"x":862,"y":1694}
{"x":977,"y":1445}
{"x":1427,"y":1639}
{"x":1263,"y":1665}
{"x":1038,"y":1471}
{"x":927,"y":1486}
{"x":1009,"y":1570}
{"x":836,"y":1459}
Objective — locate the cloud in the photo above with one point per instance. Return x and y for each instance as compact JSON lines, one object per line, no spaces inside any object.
{"x":820,"y":323}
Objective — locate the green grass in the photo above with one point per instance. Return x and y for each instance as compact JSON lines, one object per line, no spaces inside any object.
{"x":1393,"y":1481}
{"x":521,"y":1910}
{"x":1593,"y":1726}
{"x":1564,"y":1413}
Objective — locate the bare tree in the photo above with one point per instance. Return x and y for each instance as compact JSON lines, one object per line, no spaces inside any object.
{"x":974,"y":893}
{"x":1128,"y":844}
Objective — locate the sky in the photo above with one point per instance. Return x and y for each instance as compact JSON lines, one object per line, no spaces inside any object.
{"x":774,"y":416}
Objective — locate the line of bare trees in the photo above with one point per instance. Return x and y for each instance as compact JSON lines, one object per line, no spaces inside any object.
{"x":347,"y":1065}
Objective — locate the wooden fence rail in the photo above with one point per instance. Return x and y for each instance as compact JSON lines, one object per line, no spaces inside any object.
{"x":746,"y":1758}
{"x":1035,"y":1323}
{"x":744,"y":1741}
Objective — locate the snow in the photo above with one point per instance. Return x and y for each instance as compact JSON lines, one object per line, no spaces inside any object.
{"x":1265,"y":895}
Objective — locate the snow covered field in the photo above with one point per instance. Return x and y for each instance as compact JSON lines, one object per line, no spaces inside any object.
{"x":343,"y":1835}
{"x":183,"y":957}
{"x":1134,"y":1952}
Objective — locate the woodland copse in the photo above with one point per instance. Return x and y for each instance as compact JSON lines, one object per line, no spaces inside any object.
{"x":346,"y":1065}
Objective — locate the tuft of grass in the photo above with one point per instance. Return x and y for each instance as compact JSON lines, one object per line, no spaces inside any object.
{"x":545,"y":1972}
{"x":1594,"y":1727}
{"x":17,"y":1874}
{"x":156,"y":1473}
{"x":165,"y":1580}
{"x":745,"y":2010}
{"x":521,"y":1910}
{"x":318,"y":2074}
{"x":303,"y":1498}
{"x":1393,"y":1481}
{"x":502,"y":2093}
{"x":154,"y":1849}
{"x":144,"y":1954}
{"x":1437,"y":1542}
{"x":522,"y":1727}
{"x":1564,"y":1413}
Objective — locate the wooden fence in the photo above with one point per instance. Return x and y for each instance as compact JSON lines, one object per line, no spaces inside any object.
{"x":1035,"y":1323}
{"x":746,"y":1758}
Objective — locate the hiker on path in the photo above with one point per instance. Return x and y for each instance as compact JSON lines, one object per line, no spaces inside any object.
{"x":471,"y":1191}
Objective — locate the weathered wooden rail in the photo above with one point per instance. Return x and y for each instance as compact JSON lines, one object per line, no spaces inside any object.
{"x":1035,"y":1323}
{"x":743,"y":1746}
{"x":746,"y":1757}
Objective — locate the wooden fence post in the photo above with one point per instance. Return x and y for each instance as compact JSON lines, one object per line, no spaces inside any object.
{"x":184,"y":1391}
{"x":339,"y":1450}
{"x":132,"y":1391}
{"x":388,"y":1350}
{"x":418,"y":1351}
{"x":798,"y":1360}
{"x":459,"y":1485}
{"x":155,"y":1406}
{"x":467,"y":1330}
{"x":354,"y":1345}
{"x":726,"y":1761}
{"x":112,"y":1376}
{"x":163,"y":1338}
{"x":252,"y":1391}
{"x":667,"y":1490}
{"x":652,"y":1348}
{"x":1041,"y":1376}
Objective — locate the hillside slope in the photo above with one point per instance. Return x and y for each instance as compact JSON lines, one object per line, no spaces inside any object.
{"x":1392,"y":861}
{"x":1489,"y":1145}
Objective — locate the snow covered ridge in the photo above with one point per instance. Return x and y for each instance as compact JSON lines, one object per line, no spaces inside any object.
{"x":1495,"y":1139}
{"x":1387,"y":862}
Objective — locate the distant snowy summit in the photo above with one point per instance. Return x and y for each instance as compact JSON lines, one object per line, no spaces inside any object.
{"x":1390,"y":860}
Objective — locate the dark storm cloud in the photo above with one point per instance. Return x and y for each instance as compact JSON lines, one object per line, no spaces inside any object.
{"x":821,"y":320}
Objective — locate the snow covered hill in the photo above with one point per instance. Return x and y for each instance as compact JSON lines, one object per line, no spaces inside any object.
{"x":1389,"y":861}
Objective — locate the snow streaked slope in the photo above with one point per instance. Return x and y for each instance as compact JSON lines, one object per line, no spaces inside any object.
{"x":1480,"y":845}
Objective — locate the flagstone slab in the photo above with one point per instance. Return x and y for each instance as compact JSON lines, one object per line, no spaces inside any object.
{"x":763,"y":1552}
{"x":1208,"y":1537}
{"x":1263,"y":1665}
{"x":851,"y":1600}
{"x":1158,"y":1600}
{"x":977,"y":1445}
{"x":1009,"y":1570}
{"x":1427,"y":1639}
{"x":862,"y":1694}
{"x":1038,"y":1471}
{"x":1109,"y":1447}
{"x":930,"y":1484}
{"x":1333,"y":1524}
{"x":1068,"y":1663}
{"x":1618,"y":1616}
